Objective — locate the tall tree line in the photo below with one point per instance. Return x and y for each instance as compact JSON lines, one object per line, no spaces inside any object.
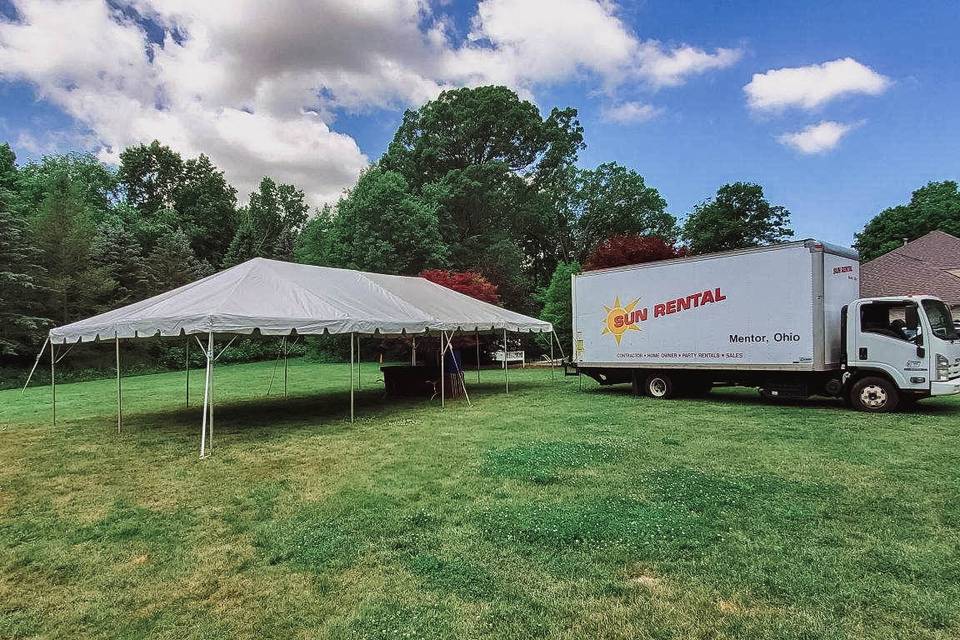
{"x":477,"y":181}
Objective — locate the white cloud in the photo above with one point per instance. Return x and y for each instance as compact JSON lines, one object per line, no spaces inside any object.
{"x":629,"y":112}
{"x":814,"y":85}
{"x":816,"y":138}
{"x":671,"y":68}
{"x":258,"y":86}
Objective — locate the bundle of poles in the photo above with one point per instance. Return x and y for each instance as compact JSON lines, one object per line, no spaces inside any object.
{"x":211,"y":356}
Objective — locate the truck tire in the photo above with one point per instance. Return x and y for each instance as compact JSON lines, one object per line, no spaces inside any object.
{"x":659,"y":386}
{"x":874,"y":395}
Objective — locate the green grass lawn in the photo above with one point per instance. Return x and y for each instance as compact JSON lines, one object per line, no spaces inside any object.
{"x":549,"y":512}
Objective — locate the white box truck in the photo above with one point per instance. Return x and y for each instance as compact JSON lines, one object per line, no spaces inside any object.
{"x":787,"y":319}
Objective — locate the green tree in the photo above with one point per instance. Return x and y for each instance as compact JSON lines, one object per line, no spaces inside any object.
{"x":64,"y":232}
{"x":935,"y":206}
{"x":557,"y":303}
{"x":738,"y":217}
{"x":118,"y":250}
{"x":173,"y":264}
{"x":150,"y":176}
{"x":614,"y":200}
{"x":380,"y":226}
{"x":18,"y":268}
{"x":269,"y":225}
{"x":313,"y":245}
{"x":207,"y":207}
{"x":491,"y":163}
{"x":92,"y":183}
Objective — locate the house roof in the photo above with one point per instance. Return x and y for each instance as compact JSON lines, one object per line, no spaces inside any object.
{"x":928,"y":265}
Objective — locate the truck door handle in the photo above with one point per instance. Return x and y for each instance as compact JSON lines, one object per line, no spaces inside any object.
{"x":863,"y":353}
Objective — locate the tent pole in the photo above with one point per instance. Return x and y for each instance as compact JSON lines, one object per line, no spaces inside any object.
{"x":461,"y":376}
{"x":413,"y":353}
{"x":116,"y":340}
{"x":43,"y":348}
{"x":552,"y":372}
{"x":506,"y":378}
{"x":213,"y":360}
{"x":351,"y":378}
{"x":186,"y":366}
{"x":284,"y":344}
{"x":359,"y":386}
{"x":53,"y":383}
{"x":557,"y":338}
{"x":443,"y":350}
{"x":478,"y":356}
{"x":206,"y":398}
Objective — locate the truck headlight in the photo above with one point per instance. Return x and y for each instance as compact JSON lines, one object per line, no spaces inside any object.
{"x":943,"y":367}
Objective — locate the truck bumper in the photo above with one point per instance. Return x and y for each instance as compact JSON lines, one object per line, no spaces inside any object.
{"x":948,"y":388}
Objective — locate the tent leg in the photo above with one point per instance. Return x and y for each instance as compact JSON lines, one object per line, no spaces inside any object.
{"x":284,"y":367}
{"x":213,"y":361}
{"x":351,"y":378}
{"x":206,"y":398}
{"x":506,"y":378}
{"x":119,"y":388}
{"x":359,"y":386}
{"x":478,"y":357}
{"x":186,"y":367}
{"x":461,"y":376}
{"x":35,"y":363}
{"x":557,"y":338}
{"x":53,"y":383}
{"x":443,"y":375}
{"x":413,"y":353}
{"x":552,"y":372}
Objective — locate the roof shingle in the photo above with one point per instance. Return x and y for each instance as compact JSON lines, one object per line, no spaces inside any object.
{"x":927,"y":265}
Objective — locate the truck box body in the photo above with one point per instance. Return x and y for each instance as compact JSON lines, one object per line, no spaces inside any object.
{"x":771,"y":308}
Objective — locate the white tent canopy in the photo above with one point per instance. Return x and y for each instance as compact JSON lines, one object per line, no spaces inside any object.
{"x":279,"y":297}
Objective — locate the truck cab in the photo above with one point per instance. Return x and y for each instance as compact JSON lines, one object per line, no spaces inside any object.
{"x":897,"y":350}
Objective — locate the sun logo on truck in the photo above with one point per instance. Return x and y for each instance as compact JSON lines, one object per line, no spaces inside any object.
{"x":622,"y":318}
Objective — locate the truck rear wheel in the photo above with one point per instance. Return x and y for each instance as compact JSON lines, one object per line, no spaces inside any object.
{"x":658,"y":385}
{"x":874,"y":395}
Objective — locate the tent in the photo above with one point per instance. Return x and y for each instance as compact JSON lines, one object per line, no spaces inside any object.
{"x":282,"y":298}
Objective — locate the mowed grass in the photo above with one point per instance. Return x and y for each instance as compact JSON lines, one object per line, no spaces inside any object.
{"x":550,"y":512}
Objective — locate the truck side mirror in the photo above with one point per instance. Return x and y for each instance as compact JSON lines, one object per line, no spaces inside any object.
{"x":921,"y":352}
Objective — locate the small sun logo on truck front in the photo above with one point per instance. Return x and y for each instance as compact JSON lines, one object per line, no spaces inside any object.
{"x":622,"y":318}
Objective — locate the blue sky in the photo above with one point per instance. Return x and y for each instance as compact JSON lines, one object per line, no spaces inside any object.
{"x":701,"y":134}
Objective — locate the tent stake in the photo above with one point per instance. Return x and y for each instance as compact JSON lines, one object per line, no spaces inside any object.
{"x":506,"y":379}
{"x":206,"y":397}
{"x":443,"y":351}
{"x":53,"y":383}
{"x":351,"y":378}
{"x":116,"y":340}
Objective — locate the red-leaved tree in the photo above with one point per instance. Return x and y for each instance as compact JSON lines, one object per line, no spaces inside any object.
{"x":466,"y":282}
{"x":620,"y":250}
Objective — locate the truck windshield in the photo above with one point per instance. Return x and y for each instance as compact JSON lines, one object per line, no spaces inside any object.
{"x":941,"y":322}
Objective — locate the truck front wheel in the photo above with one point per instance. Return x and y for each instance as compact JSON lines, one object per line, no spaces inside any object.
{"x":658,"y":385}
{"x":874,"y":395}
